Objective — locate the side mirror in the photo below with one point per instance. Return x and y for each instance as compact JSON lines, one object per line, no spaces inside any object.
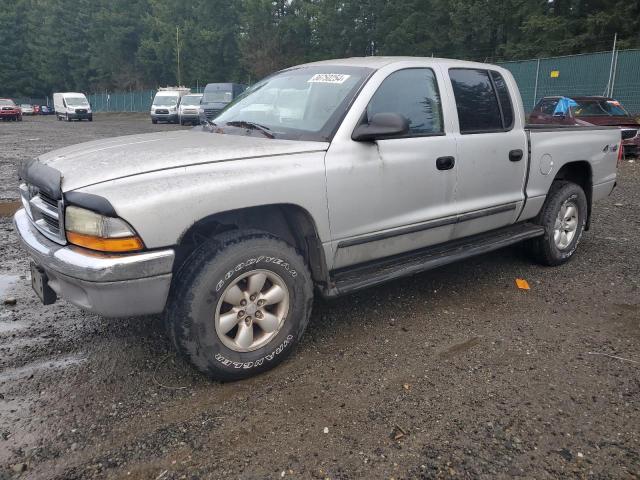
{"x":381,"y":125}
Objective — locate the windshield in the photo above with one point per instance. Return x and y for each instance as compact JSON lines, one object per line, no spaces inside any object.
{"x":305,"y":103}
{"x":76,"y":101}
{"x":25,"y":105}
{"x":6,"y":102}
{"x":191,"y":100}
{"x":218,"y":96}
{"x":599,"y":108}
{"x":165,"y":100}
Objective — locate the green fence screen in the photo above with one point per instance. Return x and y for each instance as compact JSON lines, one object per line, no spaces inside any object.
{"x":131,"y":101}
{"x":616,"y":75}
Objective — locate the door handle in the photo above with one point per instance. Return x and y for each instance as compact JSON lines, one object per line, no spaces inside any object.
{"x":516,"y":155}
{"x":445,"y":163}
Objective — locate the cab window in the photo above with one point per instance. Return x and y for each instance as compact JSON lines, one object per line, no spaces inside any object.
{"x":412,"y":93}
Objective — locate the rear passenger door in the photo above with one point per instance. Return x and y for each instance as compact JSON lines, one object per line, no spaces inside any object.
{"x":492,"y":151}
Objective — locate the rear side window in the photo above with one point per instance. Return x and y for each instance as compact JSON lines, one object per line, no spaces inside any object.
{"x":504,"y":98}
{"x":414,"y":94}
{"x":547,"y":106}
{"x":476,"y":101}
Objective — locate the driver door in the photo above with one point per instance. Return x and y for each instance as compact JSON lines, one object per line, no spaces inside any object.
{"x":398,"y":194}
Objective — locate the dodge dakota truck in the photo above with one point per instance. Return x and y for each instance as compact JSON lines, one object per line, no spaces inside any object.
{"x":323,"y":178}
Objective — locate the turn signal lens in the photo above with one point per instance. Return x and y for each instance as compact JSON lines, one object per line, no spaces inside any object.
{"x":89,"y":229}
{"x":130,"y":244}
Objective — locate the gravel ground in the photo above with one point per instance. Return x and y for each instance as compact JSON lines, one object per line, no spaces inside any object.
{"x":450,"y":374}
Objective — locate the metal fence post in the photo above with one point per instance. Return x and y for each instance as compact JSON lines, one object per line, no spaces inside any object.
{"x":535,"y":89}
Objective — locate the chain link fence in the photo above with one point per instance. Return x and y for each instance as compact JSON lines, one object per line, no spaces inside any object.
{"x":613,"y":74}
{"x":131,"y":101}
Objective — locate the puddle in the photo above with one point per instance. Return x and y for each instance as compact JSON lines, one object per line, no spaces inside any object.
{"x":460,"y":347}
{"x":7,"y":209}
{"x":6,"y":282}
{"x":10,"y":327}
{"x":33,"y":368}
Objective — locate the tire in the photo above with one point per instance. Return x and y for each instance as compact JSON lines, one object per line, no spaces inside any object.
{"x":91,"y":119}
{"x":196,"y":305}
{"x":154,"y":121}
{"x":67,"y":117}
{"x":552,"y":249}
{"x":19,"y":118}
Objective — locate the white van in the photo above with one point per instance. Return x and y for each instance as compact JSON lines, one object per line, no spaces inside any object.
{"x":72,"y":105}
{"x":165,"y":104}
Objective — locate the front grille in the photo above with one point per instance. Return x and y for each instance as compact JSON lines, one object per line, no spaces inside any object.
{"x":211,"y":113}
{"x":45,"y":212}
{"x":79,"y":110}
{"x":161,"y":111}
{"x":8,"y":108}
{"x":628,"y":133}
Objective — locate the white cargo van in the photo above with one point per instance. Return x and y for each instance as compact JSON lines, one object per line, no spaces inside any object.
{"x":165,"y":104}
{"x":72,"y":105}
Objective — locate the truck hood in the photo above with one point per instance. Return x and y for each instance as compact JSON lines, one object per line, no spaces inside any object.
{"x":104,"y":160}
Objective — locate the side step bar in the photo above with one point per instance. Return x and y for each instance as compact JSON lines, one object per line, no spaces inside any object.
{"x":364,"y":275}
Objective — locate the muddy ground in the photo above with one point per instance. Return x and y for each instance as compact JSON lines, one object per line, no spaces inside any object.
{"x":453,"y":373}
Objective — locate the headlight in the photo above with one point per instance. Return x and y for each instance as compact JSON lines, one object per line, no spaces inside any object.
{"x":98,"y":232}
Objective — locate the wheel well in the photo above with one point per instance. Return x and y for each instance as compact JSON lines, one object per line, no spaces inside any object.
{"x":579,"y":173}
{"x":290,"y":223}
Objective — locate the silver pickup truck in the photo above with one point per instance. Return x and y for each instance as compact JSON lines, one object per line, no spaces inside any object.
{"x":328,"y":177}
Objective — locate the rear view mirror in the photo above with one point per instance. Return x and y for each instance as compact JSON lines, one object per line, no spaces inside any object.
{"x":381,"y":125}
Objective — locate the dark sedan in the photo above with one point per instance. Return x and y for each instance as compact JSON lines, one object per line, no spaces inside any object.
{"x":590,"y":111}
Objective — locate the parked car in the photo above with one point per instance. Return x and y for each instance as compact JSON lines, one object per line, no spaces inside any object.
{"x":361,"y":171}
{"x":216,"y":97}
{"x":165,"y":104}
{"x":590,"y":111}
{"x":9,"y":110}
{"x":46,"y":110}
{"x":188,"y":111}
{"x":36,"y":109}
{"x":27,"y":109}
{"x":72,"y":106}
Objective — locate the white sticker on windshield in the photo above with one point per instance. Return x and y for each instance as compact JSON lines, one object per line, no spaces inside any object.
{"x":328,"y":78}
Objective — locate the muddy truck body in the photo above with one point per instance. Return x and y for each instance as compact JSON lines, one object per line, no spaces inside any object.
{"x":321,"y":179}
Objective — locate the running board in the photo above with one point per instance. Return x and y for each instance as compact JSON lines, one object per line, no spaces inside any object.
{"x":364,"y":275}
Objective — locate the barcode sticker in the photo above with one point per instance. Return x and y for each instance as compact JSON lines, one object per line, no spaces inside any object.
{"x":328,"y":78}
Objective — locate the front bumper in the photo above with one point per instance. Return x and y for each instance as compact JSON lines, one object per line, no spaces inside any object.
{"x":165,"y":117}
{"x":109,"y":285}
{"x":80,"y":116}
{"x":632,"y":146}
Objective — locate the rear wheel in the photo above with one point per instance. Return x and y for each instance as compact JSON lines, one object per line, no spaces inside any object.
{"x":239,"y":304}
{"x":154,"y":121}
{"x":563,"y":216}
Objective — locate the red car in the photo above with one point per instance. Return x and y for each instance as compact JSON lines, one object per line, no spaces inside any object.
{"x":590,"y":111}
{"x":9,"y":110}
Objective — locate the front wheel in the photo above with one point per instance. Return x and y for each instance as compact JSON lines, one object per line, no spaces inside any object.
{"x":563,"y":216}
{"x":239,"y":304}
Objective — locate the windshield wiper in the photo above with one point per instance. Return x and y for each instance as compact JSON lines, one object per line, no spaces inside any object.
{"x":266,"y":131}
